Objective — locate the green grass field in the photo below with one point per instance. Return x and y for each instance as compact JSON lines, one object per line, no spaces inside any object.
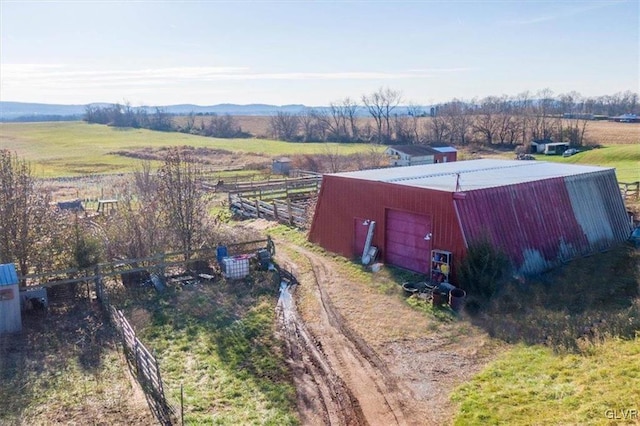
{"x":532,"y":385}
{"x":625,"y":158}
{"x":76,"y":148}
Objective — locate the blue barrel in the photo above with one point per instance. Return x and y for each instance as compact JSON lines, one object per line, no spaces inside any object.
{"x":221,"y":253}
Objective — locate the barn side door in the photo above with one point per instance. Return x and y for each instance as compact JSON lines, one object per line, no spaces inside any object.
{"x":408,"y":240}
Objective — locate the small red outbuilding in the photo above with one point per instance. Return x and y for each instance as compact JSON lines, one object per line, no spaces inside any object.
{"x":539,"y":213}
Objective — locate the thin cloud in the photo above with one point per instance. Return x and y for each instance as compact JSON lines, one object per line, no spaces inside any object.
{"x":61,"y":74}
{"x":561,"y":14}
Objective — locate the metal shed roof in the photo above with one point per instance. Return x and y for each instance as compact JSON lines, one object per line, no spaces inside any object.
{"x":8,"y":275}
{"x":473,"y":174}
{"x":415,"y":150}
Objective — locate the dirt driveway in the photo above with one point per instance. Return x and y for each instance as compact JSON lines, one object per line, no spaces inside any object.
{"x":361,"y":356}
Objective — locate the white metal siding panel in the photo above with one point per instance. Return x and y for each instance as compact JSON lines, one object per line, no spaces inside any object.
{"x":598,"y":208}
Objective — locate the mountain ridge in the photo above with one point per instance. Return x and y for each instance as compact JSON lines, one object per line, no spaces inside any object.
{"x":14,"y":110}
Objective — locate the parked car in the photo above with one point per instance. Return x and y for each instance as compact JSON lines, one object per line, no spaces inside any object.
{"x":569,"y":152}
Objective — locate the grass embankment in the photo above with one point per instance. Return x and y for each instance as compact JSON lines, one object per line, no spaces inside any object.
{"x":77,"y":148}
{"x":218,"y":341}
{"x":533,"y":385}
{"x":575,"y":354}
{"x":625,"y":159}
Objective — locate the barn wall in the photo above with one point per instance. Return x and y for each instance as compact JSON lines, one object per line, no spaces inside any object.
{"x":541,"y":224}
{"x":343,"y":199}
{"x":451,"y":157}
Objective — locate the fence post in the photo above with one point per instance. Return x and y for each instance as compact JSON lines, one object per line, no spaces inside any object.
{"x":257,"y":208}
{"x":275,"y":210}
{"x":181,"y":404}
{"x":96,"y":280}
{"x":290,"y":212}
{"x":161,"y":267}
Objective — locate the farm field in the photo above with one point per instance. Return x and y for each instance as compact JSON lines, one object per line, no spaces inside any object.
{"x":77,"y":148}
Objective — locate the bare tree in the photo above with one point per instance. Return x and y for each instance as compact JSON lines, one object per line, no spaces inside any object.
{"x":459,"y":121}
{"x":138,"y":228}
{"x":380,"y":105}
{"x":183,"y":199}
{"x":332,"y":155}
{"x":160,"y":120}
{"x":25,"y":216}
{"x":437,"y":128}
{"x":313,"y":124}
{"x":487,"y":120}
{"x":284,"y":126}
{"x":337,"y":124}
{"x":350,"y":108}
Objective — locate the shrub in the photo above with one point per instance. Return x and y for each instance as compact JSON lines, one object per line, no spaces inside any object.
{"x":482,"y":269}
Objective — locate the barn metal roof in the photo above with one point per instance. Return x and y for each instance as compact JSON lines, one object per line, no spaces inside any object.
{"x":415,"y":150}
{"x":8,"y":275}
{"x":472,"y":174}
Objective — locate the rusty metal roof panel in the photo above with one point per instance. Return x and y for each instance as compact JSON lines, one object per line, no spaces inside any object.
{"x":473,"y":174}
{"x":542,"y":224}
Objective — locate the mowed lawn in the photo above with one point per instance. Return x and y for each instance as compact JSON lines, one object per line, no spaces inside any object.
{"x":625,"y":159}
{"x":78,"y":148}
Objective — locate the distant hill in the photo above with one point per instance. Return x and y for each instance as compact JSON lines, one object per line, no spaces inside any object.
{"x":23,"y":111}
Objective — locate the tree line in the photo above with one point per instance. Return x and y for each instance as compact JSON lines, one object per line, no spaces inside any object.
{"x":159,"y":210}
{"x":384,"y":117}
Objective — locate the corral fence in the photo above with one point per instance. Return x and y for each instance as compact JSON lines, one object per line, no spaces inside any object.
{"x":284,"y":200}
{"x":630,"y":190}
{"x":137,"y":275}
{"x":144,"y":365}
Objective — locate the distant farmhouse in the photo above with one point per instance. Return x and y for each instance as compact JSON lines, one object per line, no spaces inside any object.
{"x":414,"y":155}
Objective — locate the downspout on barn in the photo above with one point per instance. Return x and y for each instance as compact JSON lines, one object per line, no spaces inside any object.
{"x":540,"y":213}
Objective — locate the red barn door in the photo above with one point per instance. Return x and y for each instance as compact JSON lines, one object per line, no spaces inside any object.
{"x":408,"y":240}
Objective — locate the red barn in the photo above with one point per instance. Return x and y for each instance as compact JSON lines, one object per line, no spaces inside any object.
{"x":539,"y":213}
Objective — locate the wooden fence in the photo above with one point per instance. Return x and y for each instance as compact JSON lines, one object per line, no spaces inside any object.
{"x":144,"y":366}
{"x":277,"y":188}
{"x":630,"y":190}
{"x":281,"y":211}
{"x":282,"y":200}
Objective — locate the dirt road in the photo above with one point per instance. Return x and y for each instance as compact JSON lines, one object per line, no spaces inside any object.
{"x":351,"y":368}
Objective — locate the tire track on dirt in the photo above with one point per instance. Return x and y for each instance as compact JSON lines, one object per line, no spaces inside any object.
{"x":363,"y":372}
{"x":322,"y":396}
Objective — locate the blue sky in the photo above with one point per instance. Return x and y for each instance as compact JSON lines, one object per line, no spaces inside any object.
{"x":312,"y":52}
